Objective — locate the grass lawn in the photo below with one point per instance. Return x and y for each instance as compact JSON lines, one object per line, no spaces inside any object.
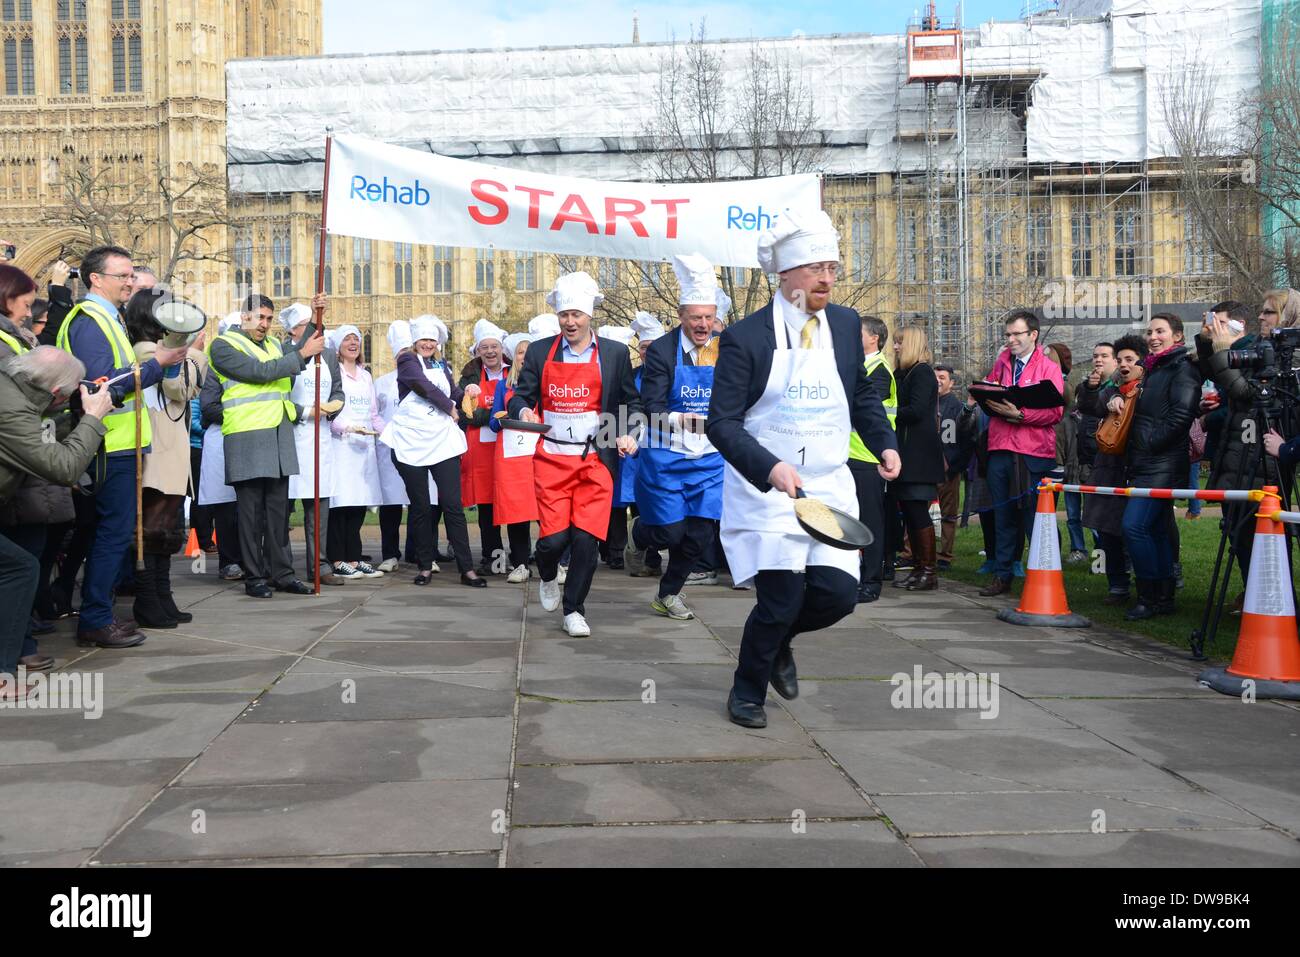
{"x":1085,"y":591}
{"x":372,"y":517}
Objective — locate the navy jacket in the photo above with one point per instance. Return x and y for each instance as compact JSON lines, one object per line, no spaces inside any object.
{"x":744,"y":363}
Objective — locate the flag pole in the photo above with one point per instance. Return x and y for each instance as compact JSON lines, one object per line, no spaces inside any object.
{"x":318,"y":320}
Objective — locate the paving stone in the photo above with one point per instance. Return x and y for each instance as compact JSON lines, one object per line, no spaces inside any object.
{"x":693,"y":791}
{"x":626,"y":650}
{"x":830,"y":844}
{"x":302,"y":696}
{"x":422,"y":656}
{"x":432,"y":749}
{"x":47,"y":859}
{"x":232,"y":672}
{"x":1181,"y":849}
{"x":297,"y":820}
{"x":477,"y":859}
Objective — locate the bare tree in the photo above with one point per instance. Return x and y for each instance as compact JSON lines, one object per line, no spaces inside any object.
{"x":190,"y":207}
{"x":111,"y":208}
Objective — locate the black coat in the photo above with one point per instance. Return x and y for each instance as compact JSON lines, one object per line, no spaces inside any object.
{"x":618,"y":394}
{"x":918,"y":426}
{"x":1157,"y":440}
{"x":1086,"y":428}
{"x":472,"y":374}
{"x":740,"y":378}
{"x":1105,"y":513}
{"x":1233,"y":457}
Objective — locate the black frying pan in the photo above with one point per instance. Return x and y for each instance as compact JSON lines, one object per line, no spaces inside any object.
{"x":519,"y":425}
{"x":856,"y":535}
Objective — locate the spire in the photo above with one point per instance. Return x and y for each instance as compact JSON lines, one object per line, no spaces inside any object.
{"x":636,"y":28}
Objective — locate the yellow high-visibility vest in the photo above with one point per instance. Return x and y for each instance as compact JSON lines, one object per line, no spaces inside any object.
{"x":249,"y":406}
{"x":119,"y":424}
{"x":857,"y":450}
{"x":14,"y":343}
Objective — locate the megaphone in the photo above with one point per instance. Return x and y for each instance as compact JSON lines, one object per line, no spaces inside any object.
{"x":182,"y":320}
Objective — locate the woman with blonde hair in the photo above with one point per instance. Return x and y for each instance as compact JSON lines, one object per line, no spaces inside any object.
{"x":921,"y":451}
{"x":1281,"y":310}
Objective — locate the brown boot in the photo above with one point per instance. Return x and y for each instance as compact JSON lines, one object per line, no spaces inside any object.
{"x":917,"y":569}
{"x":923,"y":547}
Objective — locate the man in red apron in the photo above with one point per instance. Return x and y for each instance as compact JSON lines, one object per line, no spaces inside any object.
{"x":790,"y":386}
{"x":485,"y":371}
{"x":582,"y":387}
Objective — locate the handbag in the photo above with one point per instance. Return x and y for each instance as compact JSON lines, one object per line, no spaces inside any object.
{"x":1112,"y":434}
{"x":1196,"y":442}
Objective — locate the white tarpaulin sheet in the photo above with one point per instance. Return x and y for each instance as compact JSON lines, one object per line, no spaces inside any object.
{"x":377,"y":191}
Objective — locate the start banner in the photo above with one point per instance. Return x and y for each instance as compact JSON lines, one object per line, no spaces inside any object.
{"x":392,"y":193}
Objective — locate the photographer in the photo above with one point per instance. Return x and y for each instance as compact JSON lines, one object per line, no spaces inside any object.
{"x":31,"y":386}
{"x":61,"y":302}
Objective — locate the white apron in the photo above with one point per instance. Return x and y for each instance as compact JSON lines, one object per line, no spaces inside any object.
{"x":420,"y":434}
{"x":391,"y":486}
{"x":356,"y":471}
{"x":303,"y":485}
{"x":802,"y":418}
{"x":213,"y":489}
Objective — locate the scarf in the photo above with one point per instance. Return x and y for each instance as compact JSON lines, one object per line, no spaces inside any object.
{"x":1149,"y":362}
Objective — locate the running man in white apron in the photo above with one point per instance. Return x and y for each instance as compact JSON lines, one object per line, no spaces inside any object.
{"x":302,"y":487}
{"x":789,"y":388}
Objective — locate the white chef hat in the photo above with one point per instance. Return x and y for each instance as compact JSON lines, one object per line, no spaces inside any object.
{"x":797,"y":238}
{"x":231,"y":320}
{"x":428,"y":327}
{"x":724,"y":305}
{"x":399,"y":336}
{"x":334,"y":338}
{"x":621,"y":334}
{"x":547,"y":324}
{"x":696,"y":279}
{"x":294,"y":315}
{"x":511,"y":343}
{"x":647,"y":327}
{"x":486,"y":329}
{"x":575,"y":290}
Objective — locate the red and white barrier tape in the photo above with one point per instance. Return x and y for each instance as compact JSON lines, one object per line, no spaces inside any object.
{"x":1204,"y":494}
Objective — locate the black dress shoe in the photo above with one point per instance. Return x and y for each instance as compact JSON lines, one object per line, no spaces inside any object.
{"x":868,"y":593}
{"x":258,"y":590}
{"x":472,"y":582}
{"x":296,"y":587}
{"x":998,"y":586}
{"x":41,"y":627}
{"x":616,"y":564}
{"x":745,"y":713}
{"x":785,"y":679}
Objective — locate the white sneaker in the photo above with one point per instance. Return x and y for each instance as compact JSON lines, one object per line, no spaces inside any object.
{"x":563,"y":575}
{"x":576,"y":626}
{"x":388,"y":565}
{"x":702,"y":578}
{"x":549,"y":593}
{"x":672,"y":607}
{"x":433,"y":568}
{"x":344,"y":570}
{"x":518,"y":574}
{"x":368,"y":570}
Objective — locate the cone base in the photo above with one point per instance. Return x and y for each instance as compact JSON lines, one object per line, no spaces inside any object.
{"x":1069,"y":620}
{"x":1220,"y":680}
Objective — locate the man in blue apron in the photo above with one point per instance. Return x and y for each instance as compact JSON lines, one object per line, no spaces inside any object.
{"x":790,"y":389}
{"x":679,"y":478}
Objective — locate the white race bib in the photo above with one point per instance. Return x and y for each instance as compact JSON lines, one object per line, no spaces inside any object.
{"x":570,"y":427}
{"x":518,"y":444}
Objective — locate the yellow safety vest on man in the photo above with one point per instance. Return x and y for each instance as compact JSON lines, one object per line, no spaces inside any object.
{"x":857,"y":450}
{"x":250,"y":406}
{"x":14,"y":343}
{"x":118,"y":423}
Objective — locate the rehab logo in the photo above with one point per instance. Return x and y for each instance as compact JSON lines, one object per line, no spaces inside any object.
{"x":386,"y":192}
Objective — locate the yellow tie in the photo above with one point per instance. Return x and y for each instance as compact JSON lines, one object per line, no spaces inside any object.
{"x":806,"y":336}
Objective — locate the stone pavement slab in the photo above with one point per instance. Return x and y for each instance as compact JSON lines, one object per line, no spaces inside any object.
{"x":371,"y":695}
{"x":1181,"y":849}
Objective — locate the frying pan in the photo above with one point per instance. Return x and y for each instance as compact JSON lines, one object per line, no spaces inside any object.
{"x":519,"y":425}
{"x":856,"y":535}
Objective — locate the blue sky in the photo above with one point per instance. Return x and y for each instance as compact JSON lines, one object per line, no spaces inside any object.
{"x":385,"y":25}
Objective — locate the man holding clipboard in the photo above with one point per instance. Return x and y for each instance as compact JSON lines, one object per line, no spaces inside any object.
{"x":1022,"y":438}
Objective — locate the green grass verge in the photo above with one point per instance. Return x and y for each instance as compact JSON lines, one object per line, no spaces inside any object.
{"x":1085,"y":591}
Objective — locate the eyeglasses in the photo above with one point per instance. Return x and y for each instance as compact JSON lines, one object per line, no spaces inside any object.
{"x":1017,"y":335}
{"x":112,"y":275}
{"x":816,"y":269}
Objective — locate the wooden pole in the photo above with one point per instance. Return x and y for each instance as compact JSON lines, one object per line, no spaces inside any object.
{"x":139,"y":470}
{"x":318,"y":321}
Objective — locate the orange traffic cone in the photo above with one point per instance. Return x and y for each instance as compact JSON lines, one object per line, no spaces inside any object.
{"x":1042,"y":600}
{"x":1268,"y":647}
{"x":192,"y":546}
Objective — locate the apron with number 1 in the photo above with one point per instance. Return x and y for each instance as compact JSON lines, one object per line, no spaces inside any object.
{"x":572,"y":488}
{"x":802,"y":418}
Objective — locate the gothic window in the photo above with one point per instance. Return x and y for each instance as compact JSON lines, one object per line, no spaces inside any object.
{"x":282,"y":262}
{"x":74,"y":61}
{"x":526,"y":274}
{"x":403,"y":253}
{"x":860,"y":247}
{"x":484,"y":270}
{"x":361,"y":253}
{"x":329,"y":259}
{"x":19,"y":53}
{"x":243,"y":263}
{"x":441,"y":269}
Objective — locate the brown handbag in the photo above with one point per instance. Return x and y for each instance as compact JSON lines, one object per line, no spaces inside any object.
{"x":1112,"y":434}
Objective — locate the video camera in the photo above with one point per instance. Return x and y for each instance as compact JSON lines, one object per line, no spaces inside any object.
{"x":1269,"y":357}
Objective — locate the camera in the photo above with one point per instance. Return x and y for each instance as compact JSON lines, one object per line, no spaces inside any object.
{"x":74,"y":273}
{"x":1267,"y":358}
{"x":11,"y":251}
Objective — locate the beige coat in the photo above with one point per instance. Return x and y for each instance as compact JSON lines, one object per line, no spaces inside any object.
{"x":167,"y":466}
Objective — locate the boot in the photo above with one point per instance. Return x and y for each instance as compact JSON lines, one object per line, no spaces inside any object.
{"x":1166,"y":595}
{"x":923,"y":548}
{"x":868,"y":590}
{"x":163,"y":585}
{"x":1148,"y":600}
{"x":917,"y":571}
{"x":147,"y":610}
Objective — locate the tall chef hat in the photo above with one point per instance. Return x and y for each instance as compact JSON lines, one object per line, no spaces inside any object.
{"x":797,"y":238}
{"x":724,"y":305}
{"x":335,"y":337}
{"x":399,"y":336}
{"x":511,"y":343}
{"x":621,"y":334}
{"x":428,"y":327}
{"x":292,"y":316}
{"x":696,"y":279}
{"x":575,"y":290}
{"x":547,"y":324}
{"x":486,"y":329}
{"x":231,"y":320}
{"x":647,"y":327}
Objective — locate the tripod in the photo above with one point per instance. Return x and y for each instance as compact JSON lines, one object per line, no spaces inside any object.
{"x":1270,"y":408}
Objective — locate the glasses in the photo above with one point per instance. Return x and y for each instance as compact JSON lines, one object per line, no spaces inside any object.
{"x":817,"y":269}
{"x":112,"y":275}
{"x":1017,"y":335}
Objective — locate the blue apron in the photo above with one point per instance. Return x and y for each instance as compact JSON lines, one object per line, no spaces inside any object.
{"x":669,"y":485}
{"x":625,"y":486}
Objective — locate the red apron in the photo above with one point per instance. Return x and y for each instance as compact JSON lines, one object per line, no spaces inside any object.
{"x":477,"y":464}
{"x":514,"y":494}
{"x":572,"y":489}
